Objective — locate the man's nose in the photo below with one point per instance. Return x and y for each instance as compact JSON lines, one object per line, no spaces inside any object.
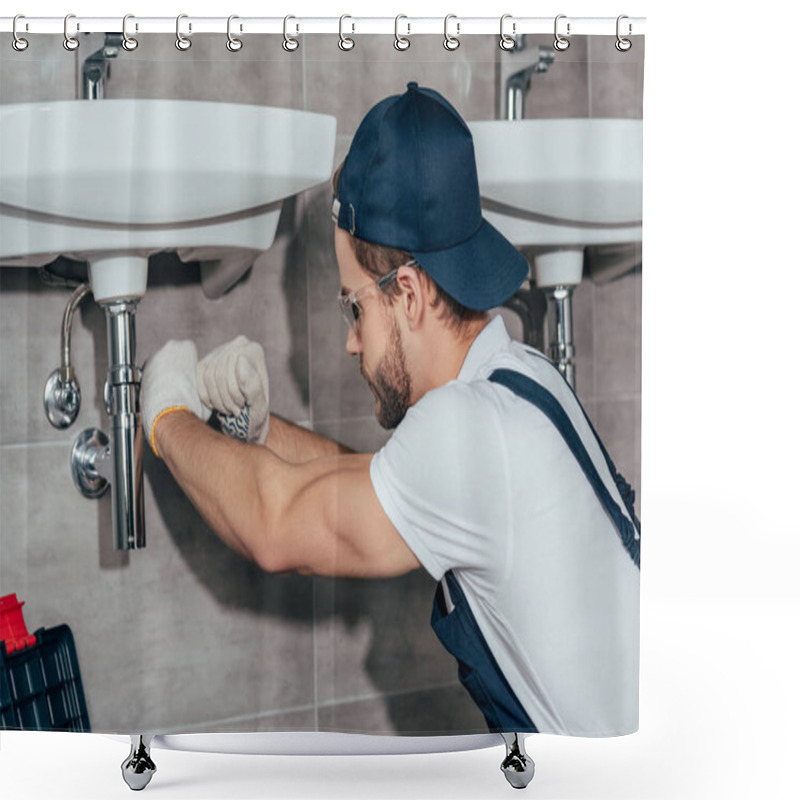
{"x":353,"y":344}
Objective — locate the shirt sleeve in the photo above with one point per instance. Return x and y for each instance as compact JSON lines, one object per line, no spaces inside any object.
{"x":442,"y":479}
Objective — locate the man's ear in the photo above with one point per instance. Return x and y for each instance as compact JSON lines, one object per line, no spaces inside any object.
{"x":414,"y":292}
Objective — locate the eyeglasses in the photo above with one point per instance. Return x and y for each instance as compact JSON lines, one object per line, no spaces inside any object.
{"x":349,"y":305}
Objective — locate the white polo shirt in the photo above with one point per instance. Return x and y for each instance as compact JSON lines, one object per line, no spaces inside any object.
{"x":478,"y":480}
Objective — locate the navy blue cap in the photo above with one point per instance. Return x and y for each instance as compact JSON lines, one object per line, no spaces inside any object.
{"x":410,"y":182}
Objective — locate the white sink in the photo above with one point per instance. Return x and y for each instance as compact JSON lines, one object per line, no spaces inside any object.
{"x":561,"y":182}
{"x":111,"y":177}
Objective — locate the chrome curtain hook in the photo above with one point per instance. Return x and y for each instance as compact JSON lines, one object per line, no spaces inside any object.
{"x":345,"y":42}
{"x":507,"y":42}
{"x":181,"y":42}
{"x":401,"y":42}
{"x":623,"y":45}
{"x":70,"y":42}
{"x":451,"y":42}
{"x":561,"y":43}
{"x":290,"y":44}
{"x":233,"y":44}
{"x":128,"y":42}
{"x":18,"y":43}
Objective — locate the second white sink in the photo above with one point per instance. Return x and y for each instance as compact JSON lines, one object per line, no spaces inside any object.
{"x":561,"y":181}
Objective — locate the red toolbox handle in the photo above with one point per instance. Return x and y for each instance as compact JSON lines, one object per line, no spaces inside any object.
{"x":13,"y":632}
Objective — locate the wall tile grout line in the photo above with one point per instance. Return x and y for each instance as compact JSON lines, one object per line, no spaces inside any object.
{"x":310,"y":420}
{"x":40,"y":445}
{"x":589,"y":73}
{"x":360,"y":698}
{"x":611,"y":398}
{"x":339,"y":701}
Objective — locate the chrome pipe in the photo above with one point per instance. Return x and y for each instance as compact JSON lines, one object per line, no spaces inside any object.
{"x":62,"y":392}
{"x":515,"y":98}
{"x":517,"y":85}
{"x":94,"y":81}
{"x":96,"y":67}
{"x":559,"y":324}
{"x":122,"y":404}
{"x":66,"y":325}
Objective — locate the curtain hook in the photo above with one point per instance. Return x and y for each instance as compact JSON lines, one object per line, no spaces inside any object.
{"x":345,"y":42}
{"x":451,"y":42}
{"x":561,"y":43}
{"x":128,"y":42}
{"x":70,"y":42}
{"x":290,"y":44}
{"x":233,"y":44}
{"x":18,"y":43}
{"x":507,"y":42}
{"x":623,"y":45}
{"x":181,"y":42}
{"x":401,"y":42}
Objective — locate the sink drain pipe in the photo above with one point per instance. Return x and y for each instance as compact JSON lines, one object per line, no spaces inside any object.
{"x":118,"y":283}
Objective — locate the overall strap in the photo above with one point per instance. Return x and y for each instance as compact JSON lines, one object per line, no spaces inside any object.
{"x":535,"y":393}
{"x":478,"y":670}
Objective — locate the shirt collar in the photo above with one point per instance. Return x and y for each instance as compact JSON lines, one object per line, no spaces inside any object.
{"x":490,"y":340}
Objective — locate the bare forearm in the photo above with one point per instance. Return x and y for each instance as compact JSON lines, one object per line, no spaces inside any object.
{"x":298,"y":445}
{"x":319,"y":517}
{"x":219,"y":475}
{"x":256,"y":502}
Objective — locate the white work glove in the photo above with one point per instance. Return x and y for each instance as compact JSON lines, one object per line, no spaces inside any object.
{"x":169,"y":383}
{"x":232,"y":380}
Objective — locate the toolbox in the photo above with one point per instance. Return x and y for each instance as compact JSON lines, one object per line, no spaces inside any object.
{"x":40,"y":680}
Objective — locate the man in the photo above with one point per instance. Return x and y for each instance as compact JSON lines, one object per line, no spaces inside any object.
{"x":493,"y":481}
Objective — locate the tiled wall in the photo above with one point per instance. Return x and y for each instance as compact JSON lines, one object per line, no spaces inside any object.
{"x":185,"y":635}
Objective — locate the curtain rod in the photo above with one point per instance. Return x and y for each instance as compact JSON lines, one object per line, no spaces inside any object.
{"x":406,"y":26}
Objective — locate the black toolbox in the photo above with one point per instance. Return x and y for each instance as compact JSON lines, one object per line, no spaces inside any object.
{"x":40,"y":680}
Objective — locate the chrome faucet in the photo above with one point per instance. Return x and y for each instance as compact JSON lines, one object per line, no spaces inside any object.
{"x":518,"y":83}
{"x":96,"y":68}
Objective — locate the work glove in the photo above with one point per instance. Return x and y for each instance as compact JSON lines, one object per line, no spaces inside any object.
{"x":232,"y":380}
{"x":169,"y":383}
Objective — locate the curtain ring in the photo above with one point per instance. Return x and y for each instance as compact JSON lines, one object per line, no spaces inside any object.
{"x":128,"y":42}
{"x":290,"y":44}
{"x":181,"y":42}
{"x":451,"y":42}
{"x":507,"y":42}
{"x":623,"y":45}
{"x":561,"y":43}
{"x":401,"y":42}
{"x":70,"y":42}
{"x":18,"y":43}
{"x":345,"y":42}
{"x":233,"y":44}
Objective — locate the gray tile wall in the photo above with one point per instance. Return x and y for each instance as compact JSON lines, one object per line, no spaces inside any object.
{"x":185,"y":635}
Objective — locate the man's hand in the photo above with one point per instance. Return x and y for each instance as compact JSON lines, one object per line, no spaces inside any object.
{"x":169,"y":383}
{"x":232,"y":380}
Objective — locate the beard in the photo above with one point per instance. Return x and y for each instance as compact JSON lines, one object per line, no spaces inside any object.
{"x":391,"y":385}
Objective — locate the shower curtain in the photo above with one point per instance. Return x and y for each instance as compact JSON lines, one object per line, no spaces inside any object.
{"x":185,"y":635}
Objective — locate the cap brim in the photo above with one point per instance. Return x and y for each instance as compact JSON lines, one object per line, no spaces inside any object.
{"x":480,"y":273}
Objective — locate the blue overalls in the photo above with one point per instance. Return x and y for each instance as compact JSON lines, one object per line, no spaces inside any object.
{"x":458,"y":630}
